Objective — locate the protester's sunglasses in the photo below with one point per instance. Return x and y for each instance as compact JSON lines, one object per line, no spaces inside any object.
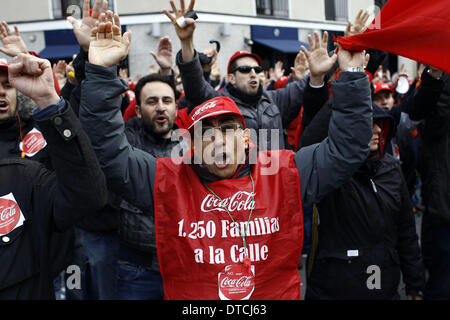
{"x":222,"y":128}
{"x":247,"y":69}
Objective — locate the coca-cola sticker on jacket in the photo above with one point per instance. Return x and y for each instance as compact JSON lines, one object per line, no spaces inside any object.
{"x":32,"y":143}
{"x":237,"y":282}
{"x":11,"y":217}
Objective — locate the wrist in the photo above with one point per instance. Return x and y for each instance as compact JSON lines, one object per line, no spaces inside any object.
{"x":317,"y":80}
{"x":187,"y":50}
{"x":45,"y":101}
{"x":353,"y":69}
{"x":165,"y":71}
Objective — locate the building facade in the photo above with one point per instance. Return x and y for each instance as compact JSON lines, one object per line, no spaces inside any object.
{"x":272,"y":28}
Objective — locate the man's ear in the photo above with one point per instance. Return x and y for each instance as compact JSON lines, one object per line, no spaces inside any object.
{"x":231,"y":78}
{"x":137,"y":108}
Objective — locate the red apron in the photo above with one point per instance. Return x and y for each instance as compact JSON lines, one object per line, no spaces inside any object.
{"x":200,"y":250}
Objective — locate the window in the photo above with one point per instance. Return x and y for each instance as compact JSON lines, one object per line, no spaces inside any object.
{"x":63,"y":8}
{"x":336,"y":10}
{"x":274,"y":8}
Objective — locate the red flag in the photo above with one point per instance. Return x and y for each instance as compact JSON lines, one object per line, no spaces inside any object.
{"x":419,"y":30}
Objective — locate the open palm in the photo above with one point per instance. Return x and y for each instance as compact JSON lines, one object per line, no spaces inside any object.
{"x":108,"y":47}
{"x":12,"y":43}
{"x":318,"y":59}
{"x":83,"y":31}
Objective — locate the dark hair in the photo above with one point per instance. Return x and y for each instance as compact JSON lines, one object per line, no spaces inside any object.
{"x":152,"y":78}
{"x":233,"y":66}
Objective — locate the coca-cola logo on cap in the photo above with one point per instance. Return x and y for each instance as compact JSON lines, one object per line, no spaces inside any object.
{"x":205,"y":107}
{"x":237,"y":282}
{"x":9,"y":215}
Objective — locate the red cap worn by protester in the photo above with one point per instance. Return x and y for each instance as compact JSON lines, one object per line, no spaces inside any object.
{"x":213,"y":108}
{"x":380,"y":86}
{"x":243,"y":53}
{"x":281,"y":83}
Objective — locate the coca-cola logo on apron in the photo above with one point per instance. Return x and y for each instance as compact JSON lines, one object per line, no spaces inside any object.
{"x":11,"y":217}
{"x":32,"y":143}
{"x":237,"y":282}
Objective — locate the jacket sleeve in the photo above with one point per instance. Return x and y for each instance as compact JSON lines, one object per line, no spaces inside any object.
{"x":317,"y":129}
{"x":196,"y":88}
{"x":130,"y":172}
{"x":79,"y":187}
{"x":426,"y":98}
{"x":411,"y":263}
{"x":289,"y":99}
{"x":323,"y":167}
{"x":313,"y":101}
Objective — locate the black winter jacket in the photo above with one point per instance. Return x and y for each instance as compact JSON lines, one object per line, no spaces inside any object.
{"x":367,"y":222}
{"x":435,"y":156}
{"x":137,"y":228}
{"x":107,"y":218}
{"x":34,"y":253}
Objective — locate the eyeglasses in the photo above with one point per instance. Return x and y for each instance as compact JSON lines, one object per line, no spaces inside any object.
{"x":223,"y":128}
{"x":247,"y":69}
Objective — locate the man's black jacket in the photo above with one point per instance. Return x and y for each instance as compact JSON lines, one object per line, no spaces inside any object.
{"x":367,"y":222}
{"x":33,"y":254}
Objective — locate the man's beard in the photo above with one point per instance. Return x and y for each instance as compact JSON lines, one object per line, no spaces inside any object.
{"x":157,"y":129}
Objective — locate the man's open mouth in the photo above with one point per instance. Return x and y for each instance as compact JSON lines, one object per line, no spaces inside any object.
{"x":161,"y":120}
{"x":4,"y":106}
{"x":222,"y":160}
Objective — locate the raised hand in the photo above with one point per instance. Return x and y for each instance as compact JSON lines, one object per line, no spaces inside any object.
{"x":360,"y":24}
{"x":349,"y":59}
{"x":186,"y":34}
{"x":300,"y":67}
{"x":210,"y":52}
{"x":188,"y":31}
{"x":83,"y":30}
{"x":318,"y":59}
{"x":34,"y":78}
{"x":59,"y":69}
{"x":108,"y":47}
{"x":164,"y":55}
{"x":278,"y":70}
{"x":12,"y":42}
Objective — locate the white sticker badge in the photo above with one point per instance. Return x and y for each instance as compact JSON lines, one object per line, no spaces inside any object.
{"x":32,"y":143}
{"x":11,"y":217}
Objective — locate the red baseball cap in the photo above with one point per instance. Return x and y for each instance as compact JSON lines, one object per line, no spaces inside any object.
{"x":213,"y":108}
{"x":3,"y":65}
{"x":380,"y":86}
{"x":243,"y":53}
{"x":281,"y":83}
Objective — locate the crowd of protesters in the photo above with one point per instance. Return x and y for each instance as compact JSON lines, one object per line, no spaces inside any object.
{"x":130,"y":181}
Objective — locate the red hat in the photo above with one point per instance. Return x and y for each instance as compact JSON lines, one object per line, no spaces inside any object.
{"x":380,"y":86}
{"x":243,"y":53}
{"x":3,"y":65}
{"x":212,"y":108}
{"x":281,"y":83}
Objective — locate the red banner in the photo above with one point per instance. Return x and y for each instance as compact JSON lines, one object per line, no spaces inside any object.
{"x":419,"y":30}
{"x":200,"y":249}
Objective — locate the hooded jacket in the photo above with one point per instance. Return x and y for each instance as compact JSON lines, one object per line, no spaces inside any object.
{"x":366,"y":222}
